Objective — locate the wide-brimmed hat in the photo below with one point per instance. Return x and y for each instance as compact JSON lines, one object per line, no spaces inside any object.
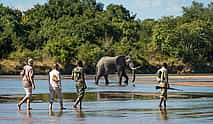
{"x":30,"y":61}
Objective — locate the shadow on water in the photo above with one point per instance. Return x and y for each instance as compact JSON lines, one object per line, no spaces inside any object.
{"x":55,"y":114}
{"x":80,"y":115}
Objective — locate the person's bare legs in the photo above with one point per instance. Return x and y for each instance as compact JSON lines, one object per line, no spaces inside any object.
{"x":51,"y":106}
{"x":61,"y":105}
{"x":52,"y":94}
{"x":80,"y":104}
{"x":21,"y":102}
{"x":28,"y":104}
{"x":60,"y":98}
{"x":76,"y":103}
{"x":165,"y":103}
{"x":19,"y":107}
{"x":161,"y":100}
{"x":27,"y":98}
{"x":29,"y":114}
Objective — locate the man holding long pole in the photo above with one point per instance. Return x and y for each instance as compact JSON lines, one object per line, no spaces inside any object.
{"x":164,"y":84}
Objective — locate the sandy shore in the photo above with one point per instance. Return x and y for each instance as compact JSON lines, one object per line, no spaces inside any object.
{"x":185,"y":83}
{"x":201,"y":84}
{"x":194,"y":76}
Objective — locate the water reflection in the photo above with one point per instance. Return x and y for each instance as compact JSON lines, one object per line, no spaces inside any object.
{"x":114,"y":95}
{"x":55,"y":114}
{"x":163,"y":114}
{"x":106,"y":95}
{"x":80,"y":115}
{"x":26,"y":117}
{"x":28,"y":114}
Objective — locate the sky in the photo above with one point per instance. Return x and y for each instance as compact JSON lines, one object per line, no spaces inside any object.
{"x":142,"y":8}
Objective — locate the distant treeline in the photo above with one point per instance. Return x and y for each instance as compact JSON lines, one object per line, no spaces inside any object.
{"x":68,"y":30}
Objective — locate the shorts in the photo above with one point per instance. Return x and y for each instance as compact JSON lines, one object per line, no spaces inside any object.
{"x":54,"y":90}
{"x":26,"y":84}
{"x":163,"y":91}
{"x":163,"y":94}
{"x":28,"y":92}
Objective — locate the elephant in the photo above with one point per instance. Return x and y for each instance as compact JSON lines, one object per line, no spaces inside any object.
{"x":109,"y":65}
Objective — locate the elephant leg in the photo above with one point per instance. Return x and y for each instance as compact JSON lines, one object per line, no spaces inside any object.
{"x":127,"y":78}
{"x":106,"y":79}
{"x":120,"y":78}
{"x":97,"y":77}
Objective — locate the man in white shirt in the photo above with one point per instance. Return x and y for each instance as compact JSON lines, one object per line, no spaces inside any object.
{"x":55,"y":86}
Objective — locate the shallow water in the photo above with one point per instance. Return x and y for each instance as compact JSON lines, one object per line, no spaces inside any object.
{"x":14,"y":86}
{"x":110,"y":104}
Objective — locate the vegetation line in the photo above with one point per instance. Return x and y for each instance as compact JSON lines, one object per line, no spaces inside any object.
{"x":67,"y":30}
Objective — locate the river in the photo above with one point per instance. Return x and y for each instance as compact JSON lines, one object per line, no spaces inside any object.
{"x":109,"y":104}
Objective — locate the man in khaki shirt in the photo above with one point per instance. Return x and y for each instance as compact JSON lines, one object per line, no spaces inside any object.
{"x":164,"y":84}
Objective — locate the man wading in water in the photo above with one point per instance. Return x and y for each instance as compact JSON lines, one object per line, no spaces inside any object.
{"x":164,"y":84}
{"x":55,"y":86}
{"x":28,"y":83}
{"x":78,"y":77}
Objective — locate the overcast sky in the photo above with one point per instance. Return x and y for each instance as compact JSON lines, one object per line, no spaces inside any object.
{"x":143,"y":8}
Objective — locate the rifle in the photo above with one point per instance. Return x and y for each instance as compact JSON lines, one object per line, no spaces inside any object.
{"x":170,"y":88}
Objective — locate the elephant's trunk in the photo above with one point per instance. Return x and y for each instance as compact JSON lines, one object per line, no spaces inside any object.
{"x":131,"y":65}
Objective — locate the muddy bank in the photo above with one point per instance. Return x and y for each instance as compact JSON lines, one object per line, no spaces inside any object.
{"x":13,"y":67}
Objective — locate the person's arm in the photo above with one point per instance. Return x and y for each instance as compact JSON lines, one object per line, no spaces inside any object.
{"x":49,"y":78}
{"x":84,"y":80}
{"x":31,"y":76}
{"x":59,"y":80}
{"x":158,"y":78}
{"x":72,"y":75}
{"x":167,"y":79}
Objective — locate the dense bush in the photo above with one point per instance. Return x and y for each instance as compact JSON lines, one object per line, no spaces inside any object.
{"x":69,"y":30}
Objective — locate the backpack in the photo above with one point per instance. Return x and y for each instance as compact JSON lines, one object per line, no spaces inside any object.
{"x":77,"y":74}
{"x":24,"y":74}
{"x":159,"y":74}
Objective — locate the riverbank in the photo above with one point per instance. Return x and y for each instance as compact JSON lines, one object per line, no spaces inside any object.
{"x":181,"y":80}
{"x":13,"y":67}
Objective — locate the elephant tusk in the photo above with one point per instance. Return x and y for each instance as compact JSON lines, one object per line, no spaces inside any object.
{"x":133,"y":74}
{"x":135,"y":68}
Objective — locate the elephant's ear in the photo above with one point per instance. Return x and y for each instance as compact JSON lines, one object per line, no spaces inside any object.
{"x":128,"y":58}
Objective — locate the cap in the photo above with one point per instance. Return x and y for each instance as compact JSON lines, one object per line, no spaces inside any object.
{"x":56,"y":65}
